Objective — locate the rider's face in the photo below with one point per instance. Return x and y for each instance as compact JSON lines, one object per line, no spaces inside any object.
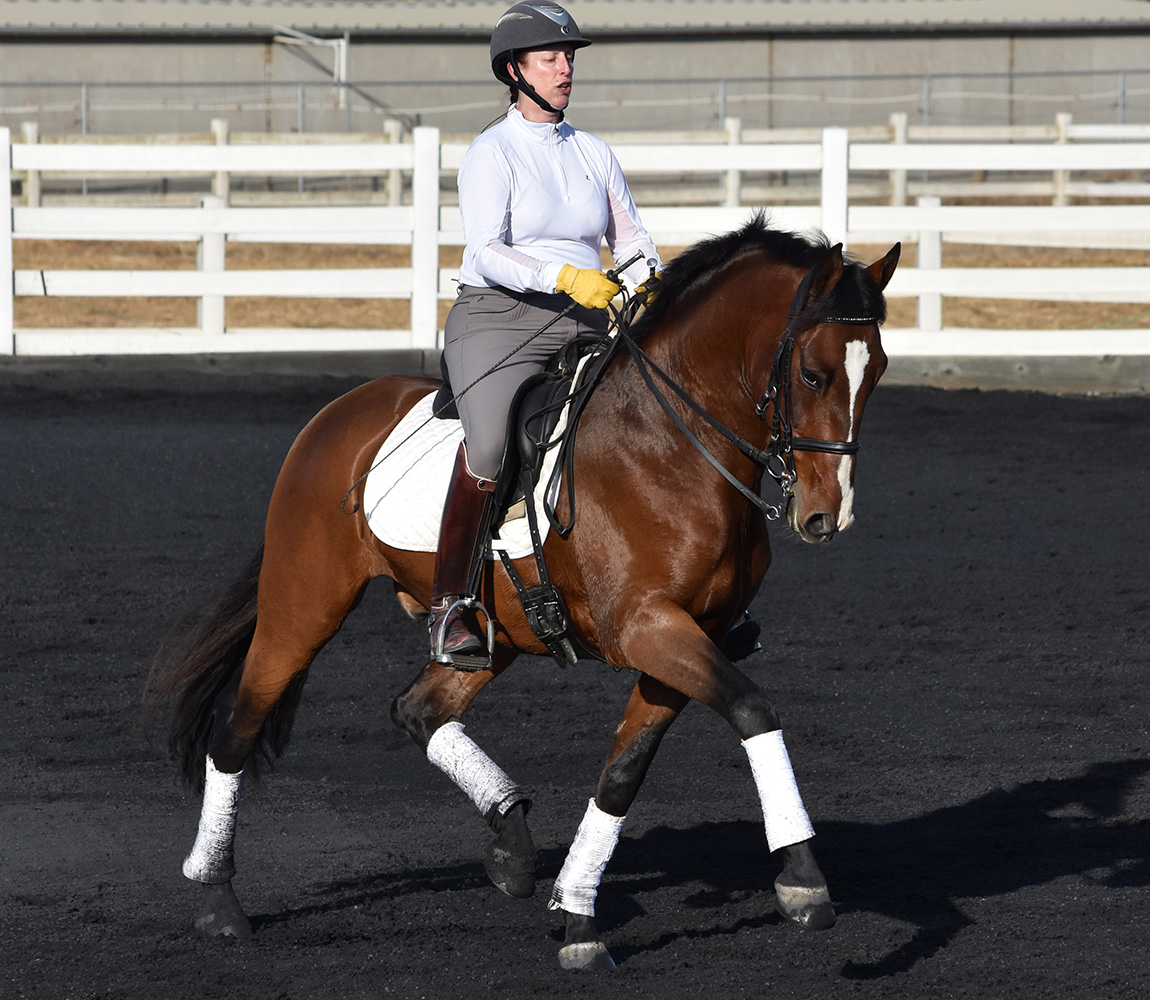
{"x":551,"y":72}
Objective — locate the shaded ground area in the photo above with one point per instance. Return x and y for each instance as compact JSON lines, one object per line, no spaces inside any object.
{"x":962,"y":677}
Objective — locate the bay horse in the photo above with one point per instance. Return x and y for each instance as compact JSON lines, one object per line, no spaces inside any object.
{"x":663,"y":556}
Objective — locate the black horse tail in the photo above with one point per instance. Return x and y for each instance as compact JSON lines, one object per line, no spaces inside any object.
{"x":199,"y":658}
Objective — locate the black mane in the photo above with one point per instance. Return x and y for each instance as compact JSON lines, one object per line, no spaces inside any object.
{"x":857,"y":294}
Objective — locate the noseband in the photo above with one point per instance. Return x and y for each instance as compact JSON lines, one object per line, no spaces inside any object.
{"x":778,"y":457}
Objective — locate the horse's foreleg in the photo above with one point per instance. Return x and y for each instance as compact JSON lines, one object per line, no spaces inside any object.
{"x":801,"y":891}
{"x":429,"y":712}
{"x":649,"y":713}
{"x":701,"y":672}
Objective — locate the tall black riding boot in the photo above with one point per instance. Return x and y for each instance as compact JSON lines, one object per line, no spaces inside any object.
{"x":456,"y":638}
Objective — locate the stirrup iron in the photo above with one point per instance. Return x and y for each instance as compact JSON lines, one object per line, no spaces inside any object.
{"x":467,"y":662}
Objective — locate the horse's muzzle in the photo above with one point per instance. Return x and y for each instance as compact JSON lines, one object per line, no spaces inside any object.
{"x":817,"y":528}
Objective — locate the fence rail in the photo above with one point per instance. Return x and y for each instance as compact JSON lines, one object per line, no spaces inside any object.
{"x":427,"y":221}
{"x":1118,"y":94}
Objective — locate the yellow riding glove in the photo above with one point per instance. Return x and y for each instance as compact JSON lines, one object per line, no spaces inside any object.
{"x":590,"y":288}
{"x":651,"y":287}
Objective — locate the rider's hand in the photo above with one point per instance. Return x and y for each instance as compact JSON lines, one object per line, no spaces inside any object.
{"x":590,"y":288}
{"x":650,"y":287}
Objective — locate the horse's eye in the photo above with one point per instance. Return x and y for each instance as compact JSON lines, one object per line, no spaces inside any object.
{"x":811,"y":378}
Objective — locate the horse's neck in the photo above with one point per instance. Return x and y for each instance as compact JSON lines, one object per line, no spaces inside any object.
{"x":720,"y":345}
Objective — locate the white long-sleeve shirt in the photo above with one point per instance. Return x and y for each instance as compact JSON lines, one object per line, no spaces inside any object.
{"x":535,"y":196}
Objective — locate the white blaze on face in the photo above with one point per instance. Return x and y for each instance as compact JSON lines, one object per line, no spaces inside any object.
{"x":857,"y":358}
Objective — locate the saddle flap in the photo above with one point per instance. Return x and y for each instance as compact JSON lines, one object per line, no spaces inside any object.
{"x":535,"y":412}
{"x":534,"y":417}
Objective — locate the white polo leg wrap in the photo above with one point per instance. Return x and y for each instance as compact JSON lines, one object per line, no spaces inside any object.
{"x":578,"y":883}
{"x":482,"y":780}
{"x":212,"y":859}
{"x":786,"y":820}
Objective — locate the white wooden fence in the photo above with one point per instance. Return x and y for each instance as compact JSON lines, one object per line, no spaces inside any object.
{"x":426,"y":223}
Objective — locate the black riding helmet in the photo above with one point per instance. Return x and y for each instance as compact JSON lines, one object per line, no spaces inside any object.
{"x":531,"y":26}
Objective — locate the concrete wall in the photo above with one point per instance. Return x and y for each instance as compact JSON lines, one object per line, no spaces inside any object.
{"x":659,"y":83}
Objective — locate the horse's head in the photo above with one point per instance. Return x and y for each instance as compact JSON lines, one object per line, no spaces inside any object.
{"x":819,"y":365}
{"x":827,"y":363}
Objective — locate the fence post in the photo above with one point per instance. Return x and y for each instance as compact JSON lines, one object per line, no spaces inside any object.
{"x":8,"y":279}
{"x":734,"y":179}
{"x":898,"y":128}
{"x":31,"y":132}
{"x":393,"y":131}
{"x":425,"y":238}
{"x":1062,"y":177}
{"x":834,"y":198}
{"x":929,"y":259}
{"x":84,"y":125}
{"x":221,"y":183}
{"x":210,"y":253}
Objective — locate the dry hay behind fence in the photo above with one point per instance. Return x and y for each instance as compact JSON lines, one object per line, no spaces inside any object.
{"x":49,"y":312}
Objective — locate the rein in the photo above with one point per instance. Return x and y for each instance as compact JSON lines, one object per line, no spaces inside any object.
{"x":646,"y":365}
{"x":778,"y":458}
{"x":612,"y":274}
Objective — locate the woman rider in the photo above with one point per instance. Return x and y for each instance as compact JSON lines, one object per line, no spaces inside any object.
{"x":537,"y":198}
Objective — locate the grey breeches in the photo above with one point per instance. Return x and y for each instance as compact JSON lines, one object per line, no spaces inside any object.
{"x":484,"y":326}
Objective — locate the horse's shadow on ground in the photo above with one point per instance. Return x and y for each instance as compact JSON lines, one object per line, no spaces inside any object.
{"x":912,"y":870}
{"x":916,"y":870}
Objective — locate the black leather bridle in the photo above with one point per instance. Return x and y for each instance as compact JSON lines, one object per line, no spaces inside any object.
{"x":783,"y":441}
{"x":777,"y":459}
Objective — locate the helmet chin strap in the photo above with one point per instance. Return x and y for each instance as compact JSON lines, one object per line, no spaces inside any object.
{"x":526,"y":88}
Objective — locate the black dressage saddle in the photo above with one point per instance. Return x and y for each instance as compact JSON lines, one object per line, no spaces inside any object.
{"x":534,"y":414}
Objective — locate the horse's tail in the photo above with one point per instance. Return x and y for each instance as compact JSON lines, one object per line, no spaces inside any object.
{"x":198,"y":659}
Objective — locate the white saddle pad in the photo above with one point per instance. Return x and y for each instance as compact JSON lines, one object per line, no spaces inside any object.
{"x":405,"y":490}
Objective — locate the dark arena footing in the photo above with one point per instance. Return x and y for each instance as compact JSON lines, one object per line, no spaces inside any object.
{"x":962,"y":677}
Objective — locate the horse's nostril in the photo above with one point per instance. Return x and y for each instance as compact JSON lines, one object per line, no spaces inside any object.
{"x":821,"y":526}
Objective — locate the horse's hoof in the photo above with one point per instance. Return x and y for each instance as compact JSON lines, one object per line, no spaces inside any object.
{"x":509,"y":872}
{"x":810,"y":908}
{"x":743,"y":639}
{"x":591,"y":956}
{"x":510,"y":861}
{"x":222,"y":915}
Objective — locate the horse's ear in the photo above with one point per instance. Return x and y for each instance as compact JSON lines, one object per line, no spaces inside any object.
{"x":883,"y":270}
{"x":826,"y":274}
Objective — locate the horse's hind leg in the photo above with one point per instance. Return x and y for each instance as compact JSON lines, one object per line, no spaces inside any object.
{"x":429,"y":712}
{"x":294,"y":620}
{"x":651,"y":710}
